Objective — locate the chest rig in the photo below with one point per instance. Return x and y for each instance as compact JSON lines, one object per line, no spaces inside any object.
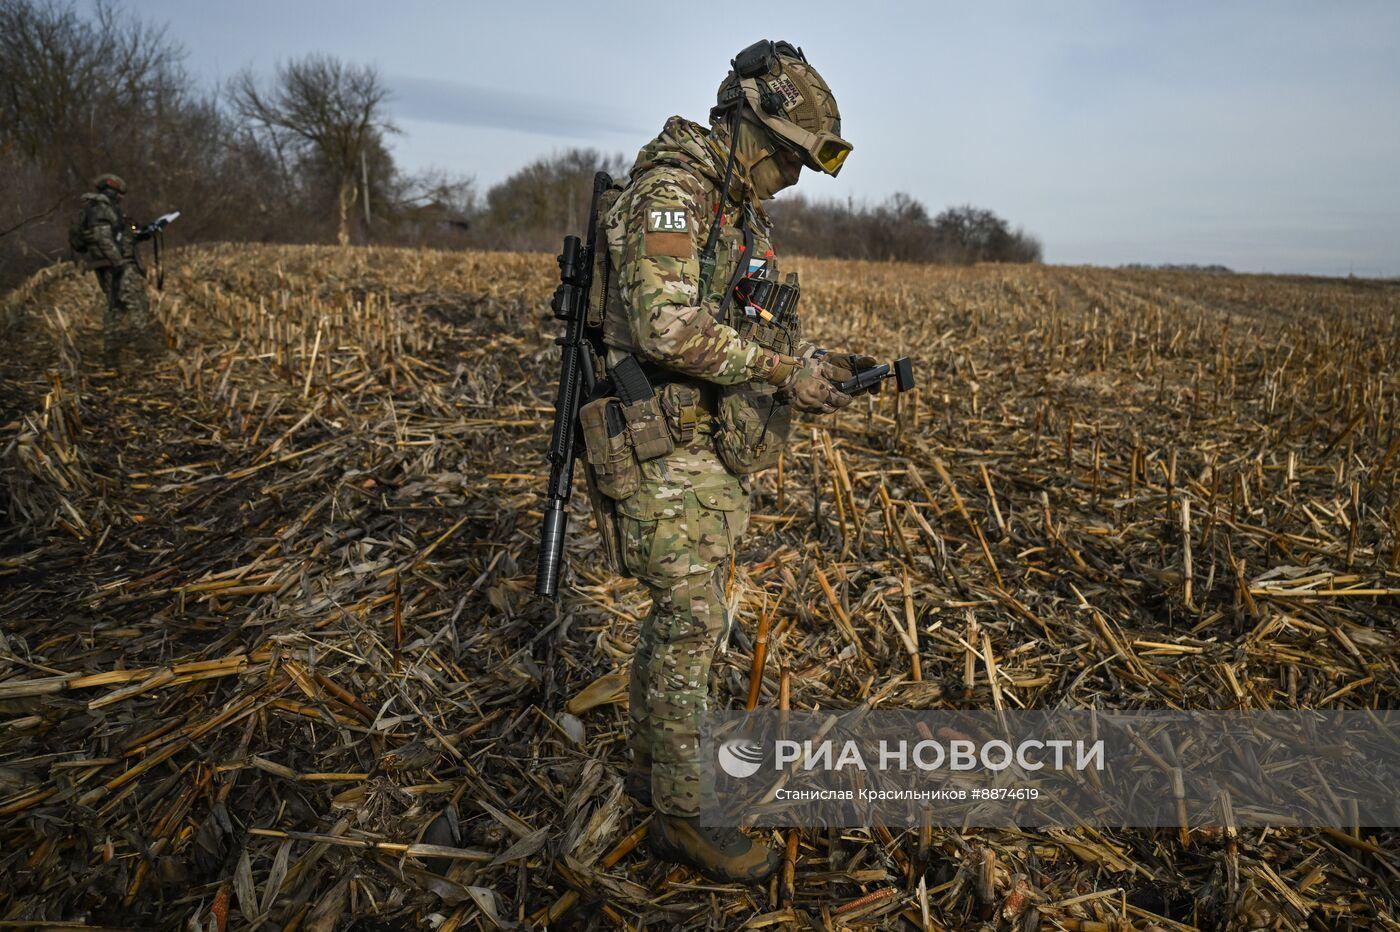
{"x":754,"y":420}
{"x":742,"y":288}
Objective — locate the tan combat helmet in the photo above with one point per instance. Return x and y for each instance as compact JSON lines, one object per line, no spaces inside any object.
{"x":109,"y":182}
{"x":790,"y":99}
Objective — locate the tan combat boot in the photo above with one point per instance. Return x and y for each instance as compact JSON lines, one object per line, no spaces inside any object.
{"x":723,"y":854}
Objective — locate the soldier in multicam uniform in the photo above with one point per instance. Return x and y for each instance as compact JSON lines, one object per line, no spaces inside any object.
{"x":108,"y":239}
{"x":679,"y":523}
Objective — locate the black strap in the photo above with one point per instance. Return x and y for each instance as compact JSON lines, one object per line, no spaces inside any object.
{"x":156,"y":241}
{"x":707,"y":255}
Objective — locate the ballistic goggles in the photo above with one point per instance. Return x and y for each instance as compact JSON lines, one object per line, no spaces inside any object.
{"x":823,"y":152}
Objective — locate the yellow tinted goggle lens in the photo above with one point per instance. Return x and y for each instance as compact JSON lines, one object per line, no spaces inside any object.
{"x":831,"y":154}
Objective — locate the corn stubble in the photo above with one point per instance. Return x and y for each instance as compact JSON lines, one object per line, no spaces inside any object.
{"x":270,"y":658}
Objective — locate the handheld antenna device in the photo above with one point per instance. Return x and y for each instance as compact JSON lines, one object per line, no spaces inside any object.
{"x":902,"y":370}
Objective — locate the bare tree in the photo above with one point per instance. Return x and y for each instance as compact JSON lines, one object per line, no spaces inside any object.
{"x":72,"y":91}
{"x":328,"y":112}
{"x":536,"y":206}
{"x":89,"y":90}
{"x":975,"y":234}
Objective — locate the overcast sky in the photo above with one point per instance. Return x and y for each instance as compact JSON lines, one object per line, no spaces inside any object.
{"x":1265,"y":136}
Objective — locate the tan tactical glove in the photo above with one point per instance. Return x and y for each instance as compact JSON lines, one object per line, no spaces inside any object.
{"x":774,"y":368}
{"x":841,"y":367}
{"x":811,"y":392}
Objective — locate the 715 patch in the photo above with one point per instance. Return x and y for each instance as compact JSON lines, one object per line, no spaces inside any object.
{"x":668,"y":220}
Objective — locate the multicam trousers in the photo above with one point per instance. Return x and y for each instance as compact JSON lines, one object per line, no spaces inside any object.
{"x":124,"y":288}
{"x":677,"y":539}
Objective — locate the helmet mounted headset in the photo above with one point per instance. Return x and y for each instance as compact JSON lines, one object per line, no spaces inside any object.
{"x":774,"y":92}
{"x":759,"y":78}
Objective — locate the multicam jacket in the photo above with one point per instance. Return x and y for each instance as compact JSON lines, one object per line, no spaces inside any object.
{"x":655,"y":232}
{"x":107,"y":232}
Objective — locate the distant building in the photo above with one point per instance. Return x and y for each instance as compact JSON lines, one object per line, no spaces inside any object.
{"x":431,"y":220}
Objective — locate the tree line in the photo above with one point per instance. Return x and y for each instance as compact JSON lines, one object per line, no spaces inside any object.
{"x":537,"y":205}
{"x":899,"y":229}
{"x":302,"y":155}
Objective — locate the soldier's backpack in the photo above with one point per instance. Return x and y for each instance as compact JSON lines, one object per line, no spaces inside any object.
{"x":78,"y":238}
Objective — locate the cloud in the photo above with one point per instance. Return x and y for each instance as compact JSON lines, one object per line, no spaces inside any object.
{"x":458,"y":104}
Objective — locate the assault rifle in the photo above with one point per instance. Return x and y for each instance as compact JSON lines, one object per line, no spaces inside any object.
{"x":576,"y":381}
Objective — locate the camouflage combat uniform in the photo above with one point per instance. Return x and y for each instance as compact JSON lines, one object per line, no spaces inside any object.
{"x":111,"y":253}
{"x":680,"y":529}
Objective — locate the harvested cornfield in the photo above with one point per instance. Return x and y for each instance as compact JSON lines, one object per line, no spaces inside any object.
{"x":269,"y":655}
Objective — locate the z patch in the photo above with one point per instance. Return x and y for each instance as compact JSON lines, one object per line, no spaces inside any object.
{"x":668,"y":220}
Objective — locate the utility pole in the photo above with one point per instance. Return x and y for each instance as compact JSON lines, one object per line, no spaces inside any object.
{"x":364,"y":175}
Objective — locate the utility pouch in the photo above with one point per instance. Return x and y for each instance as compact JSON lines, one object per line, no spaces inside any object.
{"x":755,"y":420}
{"x":647,"y":427}
{"x":681,"y":405}
{"x":641,"y":409}
{"x":766,"y":310}
{"x":776,"y":337}
{"x":754,"y":423}
{"x":608,"y":448}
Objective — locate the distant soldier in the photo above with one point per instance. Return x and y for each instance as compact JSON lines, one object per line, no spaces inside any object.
{"x":695,"y":297}
{"x":108,"y":246}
